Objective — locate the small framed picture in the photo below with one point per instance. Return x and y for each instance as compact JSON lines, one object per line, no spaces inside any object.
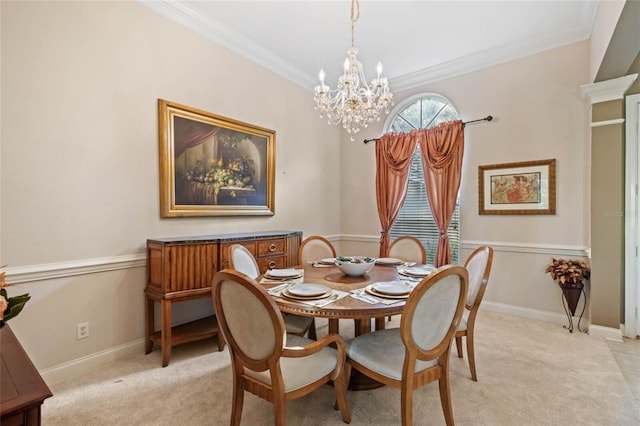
{"x":212,"y":165}
{"x":518,"y":188}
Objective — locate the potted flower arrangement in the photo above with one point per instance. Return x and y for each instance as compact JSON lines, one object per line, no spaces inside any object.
{"x":571,"y":275}
{"x":9,"y":306}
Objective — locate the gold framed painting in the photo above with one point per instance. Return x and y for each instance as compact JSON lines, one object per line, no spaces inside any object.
{"x":527,"y":187}
{"x":212,"y":165}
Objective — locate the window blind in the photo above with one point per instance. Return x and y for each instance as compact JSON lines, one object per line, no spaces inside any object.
{"x":415,"y":217}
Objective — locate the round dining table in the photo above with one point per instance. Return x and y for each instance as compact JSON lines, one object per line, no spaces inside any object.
{"x":347,"y":307}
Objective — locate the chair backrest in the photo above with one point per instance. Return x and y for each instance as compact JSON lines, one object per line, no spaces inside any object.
{"x":241,"y":259}
{"x":249,"y":319}
{"x":433,"y":311}
{"x":479,"y":267}
{"x":409,"y":249}
{"x":315,"y":248}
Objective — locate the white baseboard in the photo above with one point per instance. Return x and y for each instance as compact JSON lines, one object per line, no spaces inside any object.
{"x":608,"y":333}
{"x":528,"y":313}
{"x":79,"y":366}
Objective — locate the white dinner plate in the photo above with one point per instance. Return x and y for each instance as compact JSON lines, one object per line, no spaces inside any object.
{"x":328,"y":260}
{"x":284,"y":273}
{"x":391,"y":261}
{"x":307,"y":290}
{"x":392,"y":288}
{"x":419,"y":271}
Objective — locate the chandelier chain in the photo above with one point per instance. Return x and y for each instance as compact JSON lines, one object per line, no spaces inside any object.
{"x":355,"y":15}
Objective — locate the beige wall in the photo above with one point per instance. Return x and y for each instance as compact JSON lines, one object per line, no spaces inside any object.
{"x":607,"y":218}
{"x":80,"y":83}
{"x":604,"y":27}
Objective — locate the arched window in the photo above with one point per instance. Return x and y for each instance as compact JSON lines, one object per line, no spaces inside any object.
{"x":415,"y":217}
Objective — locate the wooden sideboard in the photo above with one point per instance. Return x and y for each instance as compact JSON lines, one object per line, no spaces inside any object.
{"x":182,"y":268}
{"x":22,"y":389}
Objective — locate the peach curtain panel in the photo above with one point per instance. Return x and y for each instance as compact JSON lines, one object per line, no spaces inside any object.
{"x":393,"y":160}
{"x":442,"y":151}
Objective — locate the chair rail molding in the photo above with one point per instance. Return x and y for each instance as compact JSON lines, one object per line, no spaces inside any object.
{"x":47,"y":271}
{"x":534,"y":248}
{"x":513,"y":247}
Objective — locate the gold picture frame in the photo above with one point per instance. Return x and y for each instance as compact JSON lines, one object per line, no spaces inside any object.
{"x":212,"y":165}
{"x":527,"y":187}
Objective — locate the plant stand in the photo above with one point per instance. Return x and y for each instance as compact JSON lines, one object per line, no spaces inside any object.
{"x":570,"y":298}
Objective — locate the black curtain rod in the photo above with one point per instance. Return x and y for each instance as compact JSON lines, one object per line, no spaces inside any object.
{"x":487,"y":118}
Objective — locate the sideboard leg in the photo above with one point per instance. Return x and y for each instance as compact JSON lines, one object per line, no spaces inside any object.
{"x":150,"y":323}
{"x":166,"y":332}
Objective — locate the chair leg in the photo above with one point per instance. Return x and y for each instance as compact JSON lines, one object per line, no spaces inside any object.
{"x":279,"y":411}
{"x":472,"y":357}
{"x":459,"y":346}
{"x":238,"y":399}
{"x":340,"y":384}
{"x":406,"y":402}
{"x":445,"y":397}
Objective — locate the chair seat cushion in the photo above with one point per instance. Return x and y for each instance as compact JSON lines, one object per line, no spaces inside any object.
{"x":297,"y":324}
{"x":299,"y":372}
{"x":383,"y":352}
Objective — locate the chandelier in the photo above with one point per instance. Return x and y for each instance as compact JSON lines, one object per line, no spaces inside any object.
{"x":354,"y":103}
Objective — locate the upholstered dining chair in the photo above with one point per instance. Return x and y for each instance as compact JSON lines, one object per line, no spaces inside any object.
{"x":408,"y":249}
{"x":479,"y":267}
{"x":241,"y":259}
{"x":315,"y":248}
{"x":267,"y":361}
{"x":418,"y":352}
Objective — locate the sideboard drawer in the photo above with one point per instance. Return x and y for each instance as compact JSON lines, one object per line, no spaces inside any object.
{"x":271,"y":263}
{"x":271,"y":247}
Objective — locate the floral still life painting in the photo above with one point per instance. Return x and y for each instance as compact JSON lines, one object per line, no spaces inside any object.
{"x":212,"y":165}
{"x":10,"y":307}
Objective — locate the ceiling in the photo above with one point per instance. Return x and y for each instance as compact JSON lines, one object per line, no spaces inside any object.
{"x":416,"y":41}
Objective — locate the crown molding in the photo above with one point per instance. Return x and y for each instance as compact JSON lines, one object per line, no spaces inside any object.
{"x":487,"y":58}
{"x":607,"y":90}
{"x":220,"y":33}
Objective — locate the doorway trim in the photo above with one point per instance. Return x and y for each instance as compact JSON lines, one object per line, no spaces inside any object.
{"x":631,"y":216}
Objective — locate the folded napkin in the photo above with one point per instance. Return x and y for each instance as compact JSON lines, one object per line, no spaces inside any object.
{"x":363,"y":296}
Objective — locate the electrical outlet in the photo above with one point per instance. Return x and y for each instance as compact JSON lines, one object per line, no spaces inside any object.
{"x":82,"y":330}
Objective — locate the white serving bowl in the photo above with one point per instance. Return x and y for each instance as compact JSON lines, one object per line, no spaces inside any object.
{"x":356,"y":266}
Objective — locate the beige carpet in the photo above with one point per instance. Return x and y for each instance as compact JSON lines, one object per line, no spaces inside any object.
{"x":530,"y":373}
